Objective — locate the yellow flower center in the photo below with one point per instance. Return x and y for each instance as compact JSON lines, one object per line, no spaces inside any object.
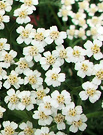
{"x":63,"y":54}
{"x":59,"y":118}
{"x":12,"y":79}
{"x":99,"y":74}
{"x":23,"y":14}
{"x":54,"y":34}
{"x":32,"y":79}
{"x":23,"y":64}
{"x":9,"y":130}
{"x":76,"y":53}
{"x":77,"y":16}
{"x":50,"y":59}
{"x":72,"y":112}
{"x":33,"y":51}
{"x":25,"y":33}
{"x":47,"y":105}
{"x":67,"y":2}
{"x":2,"y":5}
{"x":72,"y":32}
{"x":14,"y":99}
{"x":77,"y":123}
{"x":84,"y":67}
{"x":39,"y":36}
{"x":28,"y":131}
{"x":60,"y":99}
{"x":40,"y":94}
{"x":26,"y":100}
{"x":95,"y":49}
{"x":42,"y":115}
{"x":54,"y":76}
{"x":90,"y":91}
{"x":8,"y":58}
{"x":28,"y":2}
{"x":64,"y":12}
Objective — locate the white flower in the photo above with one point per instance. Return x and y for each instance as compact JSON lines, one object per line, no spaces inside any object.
{"x":39,"y":36}
{"x":33,"y":52}
{"x":62,"y":54}
{"x":12,"y":99}
{"x":30,"y":3}
{"x":77,"y":16}
{"x":33,"y":78}
{"x":100,"y":7}
{"x":59,"y":120}
{"x":43,"y":119}
{"x":49,"y":60}
{"x":59,"y":100}
{"x":46,"y":105}
{"x":78,"y":124}
{"x":44,"y":131}
{"x":71,"y":32}
{"x":41,"y":93}
{"x":72,"y":112}
{"x":13,"y":80}
{"x":27,"y":99}
{"x":76,"y":54}
{"x":80,"y":33}
{"x":4,"y":45}
{"x":83,"y":5}
{"x":55,"y":35}
{"x":2,"y":110}
{"x":24,"y":34}
{"x":23,"y":65}
{"x":22,"y":14}
{"x":7,"y":58}
{"x":5,"y":6}
{"x":90,"y":92}
{"x":64,"y":12}
{"x":92,"y":32}
{"x":98,"y":72}
{"x":94,"y":49}
{"x":27,"y":128}
{"x":3,"y":19}
{"x":92,"y":9}
{"x":84,"y":68}
{"x":54,"y":78}
{"x":9,"y":128}
{"x":95,"y":21}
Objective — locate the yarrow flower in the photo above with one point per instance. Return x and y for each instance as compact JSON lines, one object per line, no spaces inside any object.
{"x":94,"y":49}
{"x":24,"y":34}
{"x":44,"y":131}
{"x":27,"y":99}
{"x":13,"y":80}
{"x":9,"y":128}
{"x":90,"y":92}
{"x":27,"y":128}
{"x":56,"y":36}
{"x":12,"y":99}
{"x":54,"y":77}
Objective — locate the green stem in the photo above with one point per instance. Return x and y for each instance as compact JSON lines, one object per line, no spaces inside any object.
{"x":55,"y":16}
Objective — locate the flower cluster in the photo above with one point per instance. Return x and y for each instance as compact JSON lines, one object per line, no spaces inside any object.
{"x":35,"y":85}
{"x":85,"y":19}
